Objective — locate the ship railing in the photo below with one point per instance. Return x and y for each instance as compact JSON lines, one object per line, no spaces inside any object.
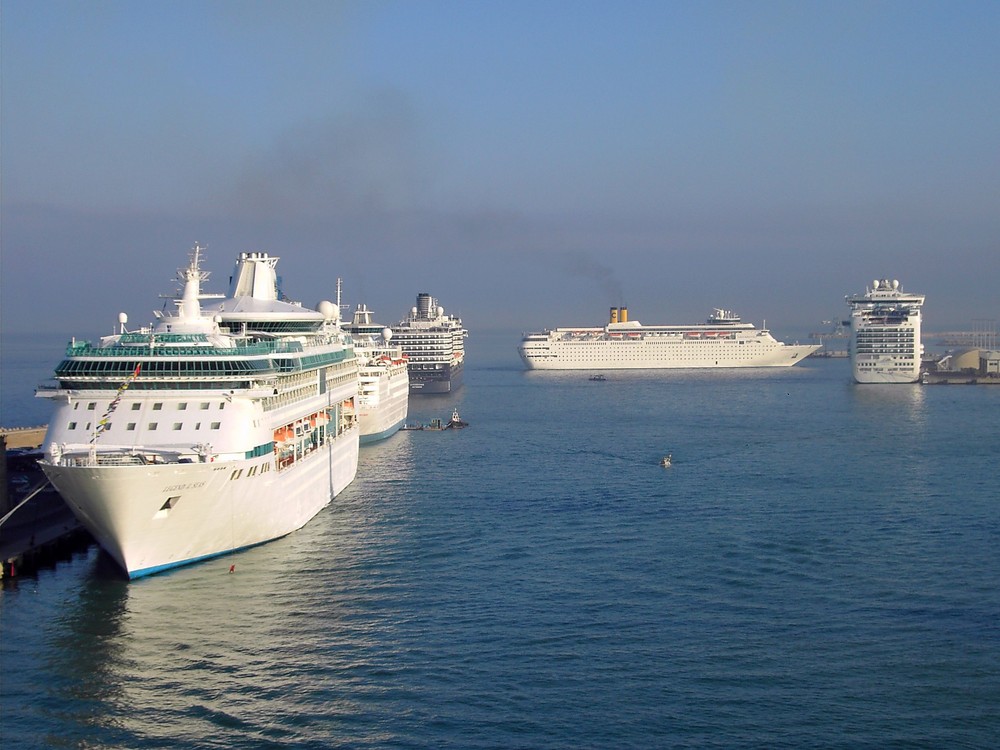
{"x":114,"y":459}
{"x":173,"y":349}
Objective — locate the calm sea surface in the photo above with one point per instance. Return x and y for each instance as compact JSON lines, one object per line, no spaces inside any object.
{"x":819,"y":568}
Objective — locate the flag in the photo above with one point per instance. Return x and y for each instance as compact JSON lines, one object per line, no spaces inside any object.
{"x":102,"y":425}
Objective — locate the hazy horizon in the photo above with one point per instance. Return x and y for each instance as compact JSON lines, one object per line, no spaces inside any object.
{"x":528,"y":164}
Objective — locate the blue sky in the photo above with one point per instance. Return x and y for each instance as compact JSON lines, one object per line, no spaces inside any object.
{"x":528,"y":163}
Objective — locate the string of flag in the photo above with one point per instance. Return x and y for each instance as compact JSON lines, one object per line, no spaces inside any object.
{"x":102,"y":425}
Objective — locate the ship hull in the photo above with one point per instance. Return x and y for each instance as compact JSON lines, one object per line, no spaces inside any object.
{"x":436,"y":381}
{"x":151,"y":518}
{"x":866,"y":372}
{"x":383,"y":405}
{"x":380,"y":435}
{"x":643,"y":355}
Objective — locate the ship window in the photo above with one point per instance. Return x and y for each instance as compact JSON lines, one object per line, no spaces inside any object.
{"x":136,"y":407}
{"x":90,"y":406}
{"x":197,"y":425}
{"x":236,"y":474}
{"x":76,"y":405}
{"x":204,"y":405}
{"x":216,"y":425}
{"x":157,"y":406}
{"x":182,"y":406}
{"x":72,"y":425}
{"x":152,"y":425}
{"x":178,"y":425}
{"x":130,"y":426}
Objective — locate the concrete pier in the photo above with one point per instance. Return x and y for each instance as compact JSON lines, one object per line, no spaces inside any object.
{"x":23,"y":437}
{"x":44,"y":529}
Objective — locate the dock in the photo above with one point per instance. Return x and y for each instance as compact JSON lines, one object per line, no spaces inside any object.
{"x":23,"y":437}
{"x":37,"y":528}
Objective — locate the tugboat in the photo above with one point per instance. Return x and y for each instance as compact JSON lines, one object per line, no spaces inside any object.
{"x":598,"y":378}
{"x":437,"y":424}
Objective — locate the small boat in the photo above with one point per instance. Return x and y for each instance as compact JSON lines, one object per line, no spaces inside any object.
{"x":598,"y":378}
{"x":456,"y":422}
{"x":667,"y":461}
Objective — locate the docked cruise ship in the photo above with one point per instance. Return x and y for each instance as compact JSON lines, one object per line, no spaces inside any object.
{"x":434,"y":345}
{"x":384,"y":391}
{"x":229,"y":423}
{"x":623,"y":344}
{"x":885,"y":334}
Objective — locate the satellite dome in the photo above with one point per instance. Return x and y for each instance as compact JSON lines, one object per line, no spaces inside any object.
{"x":122,"y":318}
{"x":386,"y":333}
{"x":440,"y":311}
{"x":328,"y":309}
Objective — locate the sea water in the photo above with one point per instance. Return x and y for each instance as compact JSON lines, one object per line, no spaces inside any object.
{"x":818,"y":568}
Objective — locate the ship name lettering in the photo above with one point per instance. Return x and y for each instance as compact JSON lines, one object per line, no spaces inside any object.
{"x":191,"y":486}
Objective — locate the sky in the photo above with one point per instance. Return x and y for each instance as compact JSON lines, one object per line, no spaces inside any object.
{"x":530,"y":164}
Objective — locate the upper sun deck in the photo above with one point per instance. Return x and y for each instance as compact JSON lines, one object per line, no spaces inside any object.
{"x":884,"y":292}
{"x":180,"y":345}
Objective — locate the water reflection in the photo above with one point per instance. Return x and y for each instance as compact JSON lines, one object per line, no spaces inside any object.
{"x":173,"y":659}
{"x":894,"y":404}
{"x":89,"y":671}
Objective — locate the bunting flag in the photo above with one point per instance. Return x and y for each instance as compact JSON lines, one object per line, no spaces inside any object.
{"x":103,"y":424}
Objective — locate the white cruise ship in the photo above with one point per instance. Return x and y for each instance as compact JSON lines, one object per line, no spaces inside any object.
{"x":434,"y":345}
{"x":228,"y":424}
{"x":625,"y":344}
{"x":384,"y":388}
{"x":885,"y":334}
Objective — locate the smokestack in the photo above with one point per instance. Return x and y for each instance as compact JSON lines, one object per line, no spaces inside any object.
{"x":614,"y":314}
{"x":623,"y":315}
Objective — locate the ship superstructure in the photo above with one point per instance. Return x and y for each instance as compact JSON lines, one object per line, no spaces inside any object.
{"x":229,"y":423}
{"x":384,"y":387}
{"x":723,"y":341}
{"x":434,"y":345}
{"x":885,"y":334}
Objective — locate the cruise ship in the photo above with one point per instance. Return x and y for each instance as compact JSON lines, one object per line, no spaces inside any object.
{"x":384,"y":388}
{"x":229,"y":423}
{"x":885,"y":334}
{"x":623,"y":344}
{"x":434,"y":345}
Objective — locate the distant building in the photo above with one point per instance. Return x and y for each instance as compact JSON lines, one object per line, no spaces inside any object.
{"x":961,"y":360}
{"x":989,"y":362}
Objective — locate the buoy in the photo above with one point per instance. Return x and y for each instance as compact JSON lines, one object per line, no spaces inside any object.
{"x":232,"y":568}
